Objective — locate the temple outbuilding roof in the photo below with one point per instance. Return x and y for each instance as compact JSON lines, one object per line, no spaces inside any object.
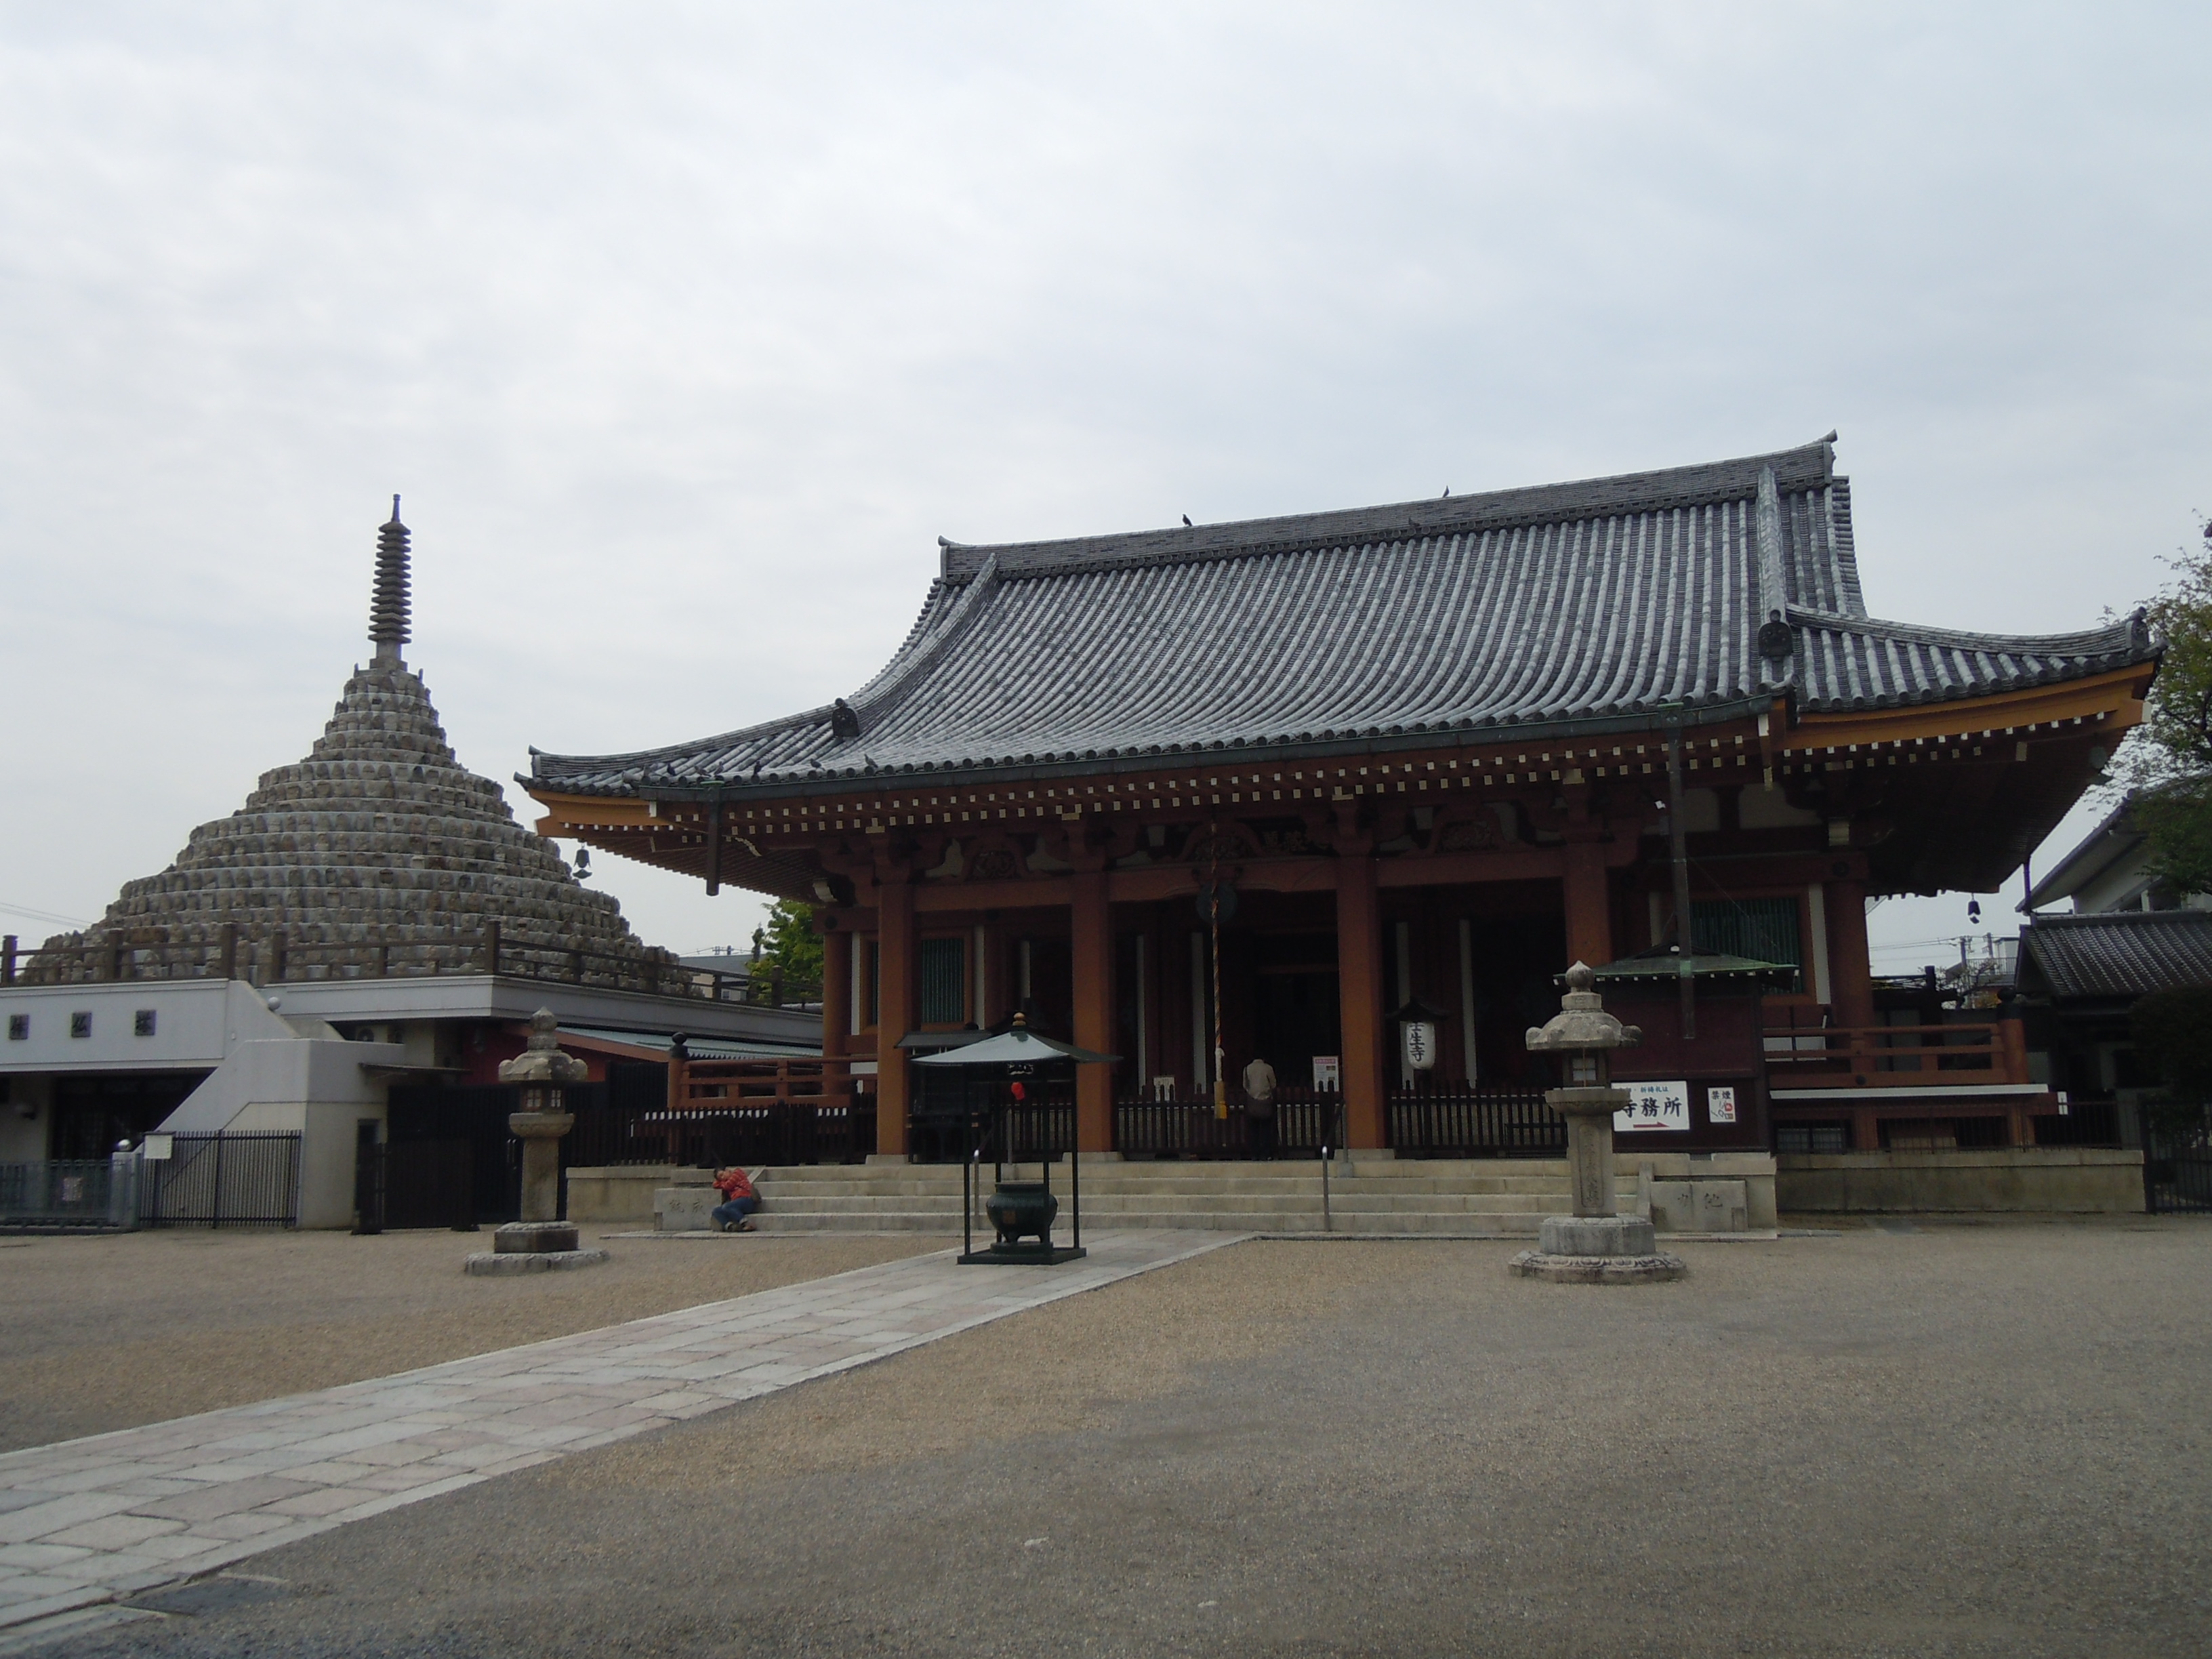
{"x":378,"y":839}
{"x":2115,"y":954}
{"x":1518,"y":612}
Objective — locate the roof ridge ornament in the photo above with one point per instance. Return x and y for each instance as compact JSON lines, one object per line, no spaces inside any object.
{"x":1775,"y":640}
{"x":388,"y":602}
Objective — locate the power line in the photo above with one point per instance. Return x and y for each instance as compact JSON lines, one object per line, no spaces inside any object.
{"x":6,"y":908}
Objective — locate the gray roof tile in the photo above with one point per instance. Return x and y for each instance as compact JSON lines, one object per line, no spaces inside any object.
{"x":2116,"y":953}
{"x":1511,"y":612}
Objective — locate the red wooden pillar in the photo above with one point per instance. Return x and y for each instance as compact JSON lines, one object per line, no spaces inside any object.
{"x":1588,"y":904}
{"x":1359,"y":975}
{"x":836,"y":990}
{"x":894,"y":967}
{"x":1850,"y":970}
{"x":1091,"y":945}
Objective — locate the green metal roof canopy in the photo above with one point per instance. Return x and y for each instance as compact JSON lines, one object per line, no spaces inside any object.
{"x":1017,"y":1047}
{"x":1664,"y":963}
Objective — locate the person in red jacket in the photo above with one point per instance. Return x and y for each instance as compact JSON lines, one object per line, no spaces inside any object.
{"x":740,"y":1200}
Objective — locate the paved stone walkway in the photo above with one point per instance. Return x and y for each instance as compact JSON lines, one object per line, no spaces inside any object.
{"x":90,"y":1520}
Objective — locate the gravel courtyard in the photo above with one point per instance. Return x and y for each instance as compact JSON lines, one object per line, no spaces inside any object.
{"x":1939,"y":1440}
{"x":108,"y":1333}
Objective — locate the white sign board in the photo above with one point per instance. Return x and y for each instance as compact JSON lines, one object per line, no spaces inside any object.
{"x":155,"y":1148}
{"x":1719,"y":1105}
{"x":1420,"y":1043}
{"x":1654,"y":1106}
{"x":1328,"y":1073}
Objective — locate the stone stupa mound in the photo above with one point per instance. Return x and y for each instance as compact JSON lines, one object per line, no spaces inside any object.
{"x":378,"y":852}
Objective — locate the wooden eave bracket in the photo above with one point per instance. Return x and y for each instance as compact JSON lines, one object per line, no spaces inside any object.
{"x":2113,"y":699}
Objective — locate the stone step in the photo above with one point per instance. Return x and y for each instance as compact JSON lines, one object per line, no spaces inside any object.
{"x":1120,"y":1178}
{"x":1381,"y":1169}
{"x":1391,"y":1224}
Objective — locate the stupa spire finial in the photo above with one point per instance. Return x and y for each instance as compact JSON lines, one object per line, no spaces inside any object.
{"x":388,"y":601}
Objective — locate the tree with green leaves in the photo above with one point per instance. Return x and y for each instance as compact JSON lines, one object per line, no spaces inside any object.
{"x":2169,"y":763}
{"x":2168,"y":1029}
{"x":787,"y":943}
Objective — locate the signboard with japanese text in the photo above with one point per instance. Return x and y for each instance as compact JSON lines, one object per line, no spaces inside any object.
{"x":1719,"y":1105}
{"x":1654,"y":1106}
{"x":1420,"y":1044}
{"x":1328,"y":1072}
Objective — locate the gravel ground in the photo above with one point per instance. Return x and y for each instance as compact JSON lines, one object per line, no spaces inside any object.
{"x":1942,"y":1441}
{"x":110,"y":1332}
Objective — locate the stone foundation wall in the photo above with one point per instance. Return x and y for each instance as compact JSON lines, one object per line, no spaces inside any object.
{"x":2055,"y":1179}
{"x":624,"y":1191}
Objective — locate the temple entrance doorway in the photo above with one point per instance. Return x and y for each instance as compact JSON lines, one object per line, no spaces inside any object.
{"x":1295,"y":1013}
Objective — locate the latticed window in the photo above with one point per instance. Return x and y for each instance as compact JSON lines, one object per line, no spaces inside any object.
{"x":944,"y":982}
{"x":1763,"y":929}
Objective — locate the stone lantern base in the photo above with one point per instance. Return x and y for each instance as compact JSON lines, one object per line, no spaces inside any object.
{"x":533,"y":1247}
{"x":1650,"y":1267}
{"x":532,"y":1262}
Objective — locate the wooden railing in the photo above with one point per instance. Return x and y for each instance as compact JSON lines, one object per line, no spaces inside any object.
{"x":721,"y":1085}
{"x":1895,"y":1056}
{"x":1447,"y":1120}
{"x":275,"y":958}
{"x":755,"y":1111}
{"x":779,"y":1135}
{"x":1305,"y":1122}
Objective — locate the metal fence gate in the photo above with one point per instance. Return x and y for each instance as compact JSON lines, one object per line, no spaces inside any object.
{"x":416,"y":1183}
{"x":66,"y":1193}
{"x":2178,"y":1170}
{"x":221,"y":1180}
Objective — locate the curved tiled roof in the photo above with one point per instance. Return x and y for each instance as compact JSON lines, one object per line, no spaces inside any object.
{"x":1512,"y":612}
{"x":2116,"y":953}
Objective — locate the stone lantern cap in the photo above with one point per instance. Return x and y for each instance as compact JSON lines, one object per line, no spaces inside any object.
{"x":1582,"y":1023}
{"x":542,"y":1063}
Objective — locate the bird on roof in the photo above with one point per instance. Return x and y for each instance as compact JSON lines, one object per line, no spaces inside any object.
{"x":1187,"y":523}
{"x":1447,"y":495}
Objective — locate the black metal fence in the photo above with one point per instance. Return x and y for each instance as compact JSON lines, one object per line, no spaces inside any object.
{"x":66,"y":1194}
{"x":221,"y":1180}
{"x":1456,"y":1121}
{"x":2087,"y":1123}
{"x":1304,"y":1122}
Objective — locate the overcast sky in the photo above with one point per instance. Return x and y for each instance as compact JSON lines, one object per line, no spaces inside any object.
{"x":685,"y":331}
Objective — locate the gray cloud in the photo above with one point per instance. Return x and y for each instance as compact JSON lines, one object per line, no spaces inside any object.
{"x":685,"y":331}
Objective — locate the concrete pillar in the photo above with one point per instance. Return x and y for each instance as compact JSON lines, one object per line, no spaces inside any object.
{"x":895,"y":1005}
{"x":1359,"y":993}
{"x":540,"y":1133}
{"x":1092,"y":948}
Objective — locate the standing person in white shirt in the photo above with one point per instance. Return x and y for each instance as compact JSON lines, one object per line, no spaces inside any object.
{"x":1260,"y":1108}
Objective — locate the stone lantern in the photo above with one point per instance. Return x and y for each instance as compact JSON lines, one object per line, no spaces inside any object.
{"x":539,"y":1241}
{"x":1593,"y":1245}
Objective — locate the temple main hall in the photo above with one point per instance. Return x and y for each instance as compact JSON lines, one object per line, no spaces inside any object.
{"x":1349,"y":791}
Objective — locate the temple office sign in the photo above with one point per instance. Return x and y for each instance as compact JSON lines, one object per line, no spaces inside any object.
{"x":1654,"y":1106}
{"x":1420,"y":1042}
